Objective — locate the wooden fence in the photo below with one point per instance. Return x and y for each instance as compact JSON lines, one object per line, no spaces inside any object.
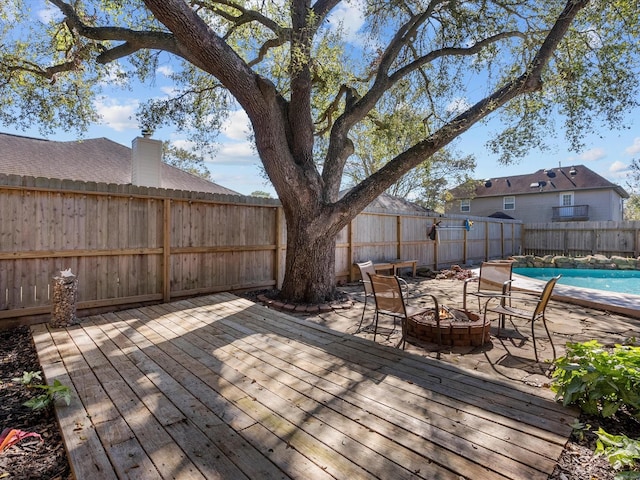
{"x":135,"y":245}
{"x":579,"y":239}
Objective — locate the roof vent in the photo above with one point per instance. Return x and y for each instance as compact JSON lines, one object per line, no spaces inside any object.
{"x":573,"y":171}
{"x":534,"y":185}
{"x":487,"y":182}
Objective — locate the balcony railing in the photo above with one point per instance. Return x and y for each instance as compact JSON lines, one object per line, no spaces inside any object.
{"x":571,"y":213}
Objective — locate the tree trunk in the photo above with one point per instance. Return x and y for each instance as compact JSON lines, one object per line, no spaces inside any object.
{"x":310,"y":275}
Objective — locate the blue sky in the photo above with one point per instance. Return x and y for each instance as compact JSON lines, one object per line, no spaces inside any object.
{"x":236,"y":165}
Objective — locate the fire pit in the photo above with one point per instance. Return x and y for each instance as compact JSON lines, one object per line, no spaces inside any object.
{"x":458,"y":328}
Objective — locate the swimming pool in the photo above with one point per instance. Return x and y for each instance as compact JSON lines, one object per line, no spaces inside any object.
{"x":621,"y":281}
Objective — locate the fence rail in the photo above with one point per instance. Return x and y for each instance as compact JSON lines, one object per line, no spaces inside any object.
{"x":134,"y":245}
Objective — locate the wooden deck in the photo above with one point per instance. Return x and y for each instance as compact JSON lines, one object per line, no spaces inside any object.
{"x":218,"y":387}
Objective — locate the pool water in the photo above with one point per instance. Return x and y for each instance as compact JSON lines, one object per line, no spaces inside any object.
{"x":620,"y":281}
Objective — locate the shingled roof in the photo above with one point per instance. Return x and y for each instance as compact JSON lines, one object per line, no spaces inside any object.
{"x":561,"y":179}
{"x":92,"y":160}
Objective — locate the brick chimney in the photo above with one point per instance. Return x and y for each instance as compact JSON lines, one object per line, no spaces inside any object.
{"x":146,"y":159}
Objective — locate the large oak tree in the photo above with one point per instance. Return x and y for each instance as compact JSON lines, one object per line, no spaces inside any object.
{"x":306,"y":86}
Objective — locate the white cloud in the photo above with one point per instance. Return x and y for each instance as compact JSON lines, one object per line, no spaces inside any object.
{"x":618,"y":170}
{"x":634,"y":148}
{"x":112,"y":77}
{"x":592,"y":155}
{"x":236,"y":126}
{"x":235,"y":153}
{"x":169,"y":91}
{"x":348,"y":17}
{"x":618,"y":166}
{"x":45,"y":15}
{"x":229,"y":153}
{"x":181,"y":143}
{"x":165,"y":70}
{"x":458,"y":105}
{"x":238,"y":149}
{"x":117,"y":114}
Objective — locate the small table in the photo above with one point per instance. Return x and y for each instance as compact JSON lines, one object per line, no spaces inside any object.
{"x":395,"y":265}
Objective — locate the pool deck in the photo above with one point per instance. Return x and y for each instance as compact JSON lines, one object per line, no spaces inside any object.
{"x":622,"y":303}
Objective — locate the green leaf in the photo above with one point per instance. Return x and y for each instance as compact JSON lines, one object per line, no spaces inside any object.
{"x":28,"y":377}
{"x":38,"y":402}
{"x":609,"y":408}
{"x":620,"y":450}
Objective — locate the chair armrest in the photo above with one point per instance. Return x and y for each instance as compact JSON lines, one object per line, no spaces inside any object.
{"x":405,"y":286}
{"x":464,"y":290}
{"x":506,"y":286}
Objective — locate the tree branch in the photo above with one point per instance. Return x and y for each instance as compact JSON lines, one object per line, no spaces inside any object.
{"x":450,"y":51}
{"x":529,"y":81}
{"x":134,"y":40}
{"x":246,"y":16}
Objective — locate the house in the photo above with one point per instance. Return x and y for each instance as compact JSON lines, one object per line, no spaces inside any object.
{"x":549,"y":195}
{"x":98,"y":160}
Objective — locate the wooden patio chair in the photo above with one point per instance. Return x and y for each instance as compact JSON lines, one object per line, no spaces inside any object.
{"x":495,"y":279}
{"x":537,"y":313}
{"x":391,"y":301}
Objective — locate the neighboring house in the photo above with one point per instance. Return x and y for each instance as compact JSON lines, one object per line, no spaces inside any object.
{"x":98,"y":160}
{"x":551,"y":195}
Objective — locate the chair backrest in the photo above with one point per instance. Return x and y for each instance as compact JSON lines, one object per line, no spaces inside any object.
{"x":388,"y":294}
{"x":493,"y":275}
{"x":365,"y":269}
{"x":545,"y":296}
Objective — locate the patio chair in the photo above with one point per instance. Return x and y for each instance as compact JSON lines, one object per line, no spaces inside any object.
{"x":365,"y":269}
{"x":390,"y":300}
{"x":532,"y":315}
{"x":495,"y":279}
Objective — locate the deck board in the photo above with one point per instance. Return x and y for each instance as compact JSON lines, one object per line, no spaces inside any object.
{"x":219,"y":387}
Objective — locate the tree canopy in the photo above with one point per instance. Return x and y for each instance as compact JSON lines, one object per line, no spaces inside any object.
{"x":311,"y":90}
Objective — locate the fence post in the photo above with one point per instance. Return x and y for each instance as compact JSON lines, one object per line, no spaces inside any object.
{"x":279,"y":232}
{"x":166,"y":251}
{"x":486,"y":241}
{"x":435,"y":248}
{"x":352,"y":277}
{"x":465,"y":253}
{"x":399,"y":236}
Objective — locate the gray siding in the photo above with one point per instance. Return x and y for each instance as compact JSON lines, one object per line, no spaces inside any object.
{"x":604,"y":205}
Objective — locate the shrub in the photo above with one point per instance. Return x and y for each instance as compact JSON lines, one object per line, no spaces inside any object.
{"x":600,"y":381}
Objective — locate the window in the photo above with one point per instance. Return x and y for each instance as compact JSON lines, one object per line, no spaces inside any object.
{"x":465,"y":205}
{"x":509,"y":203}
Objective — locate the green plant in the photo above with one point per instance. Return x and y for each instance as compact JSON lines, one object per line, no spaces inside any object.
{"x":51,"y":392}
{"x":579,"y":429}
{"x":621,"y":452}
{"x":598,"y":380}
{"x":28,"y":377}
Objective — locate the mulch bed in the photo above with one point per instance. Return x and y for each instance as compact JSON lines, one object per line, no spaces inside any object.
{"x":46,"y":460}
{"x":30,"y":458}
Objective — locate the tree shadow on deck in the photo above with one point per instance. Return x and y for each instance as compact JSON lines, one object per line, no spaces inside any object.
{"x":218,"y":385}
